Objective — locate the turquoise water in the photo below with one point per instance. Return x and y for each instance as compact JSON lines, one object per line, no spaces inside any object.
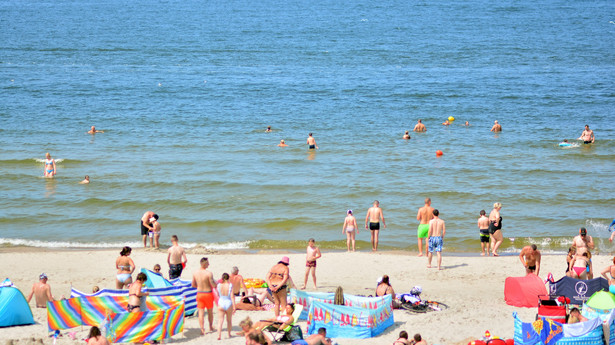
{"x":184,"y":91}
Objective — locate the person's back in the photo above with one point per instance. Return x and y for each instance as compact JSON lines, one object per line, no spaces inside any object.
{"x":175,"y":254}
{"x":236,"y":280}
{"x":425,"y":214}
{"x":41,"y":294}
{"x":202,"y":280}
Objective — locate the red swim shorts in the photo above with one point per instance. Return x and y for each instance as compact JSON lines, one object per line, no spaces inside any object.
{"x":204,"y":300}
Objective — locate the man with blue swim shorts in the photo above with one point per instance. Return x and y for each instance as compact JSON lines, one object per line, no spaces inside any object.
{"x":437,"y":230}
{"x":424,"y":215}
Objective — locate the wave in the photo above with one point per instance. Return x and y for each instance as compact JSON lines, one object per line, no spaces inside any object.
{"x":19,"y":242}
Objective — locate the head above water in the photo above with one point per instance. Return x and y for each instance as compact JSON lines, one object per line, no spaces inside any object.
{"x":349,"y":212}
{"x":427,"y":201}
{"x":420,"y":121}
{"x":376,"y":203}
{"x":309,"y":135}
{"x":436,"y":212}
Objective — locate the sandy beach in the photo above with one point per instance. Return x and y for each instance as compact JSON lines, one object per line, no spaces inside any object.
{"x":472,"y":286}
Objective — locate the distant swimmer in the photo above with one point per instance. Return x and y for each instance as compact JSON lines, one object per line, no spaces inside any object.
{"x":86,"y":180}
{"x":437,"y":230}
{"x":424,"y":215}
{"x":565,"y":143}
{"x":50,"y":166}
{"x":587,"y":136}
{"x":530,"y":258}
{"x":467,"y":124}
{"x":282,"y":143}
{"x":419,"y":127}
{"x":406,"y":136}
{"x":373,"y":216}
{"x":446,"y":123}
{"x":496,"y":127}
{"x":311,"y":142}
{"x":93,"y":130}
{"x":268,"y":130}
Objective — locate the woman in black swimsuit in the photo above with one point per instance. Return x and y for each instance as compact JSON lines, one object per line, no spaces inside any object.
{"x":495,"y":226}
{"x":277,"y":280}
{"x":135,"y":295}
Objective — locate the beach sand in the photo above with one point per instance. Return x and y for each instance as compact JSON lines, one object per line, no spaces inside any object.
{"x":472,"y":286}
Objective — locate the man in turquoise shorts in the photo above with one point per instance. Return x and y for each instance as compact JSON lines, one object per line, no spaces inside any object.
{"x":424,"y":215}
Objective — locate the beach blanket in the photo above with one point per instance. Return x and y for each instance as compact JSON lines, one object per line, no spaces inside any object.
{"x":163,"y":317}
{"x":548,"y":332}
{"x":358,"y":321}
{"x":180,"y":288}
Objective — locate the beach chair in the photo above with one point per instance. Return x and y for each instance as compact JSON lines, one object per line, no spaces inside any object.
{"x":291,"y":333}
{"x":552,"y":307}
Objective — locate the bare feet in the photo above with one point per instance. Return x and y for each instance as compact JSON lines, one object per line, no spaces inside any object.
{"x":420,"y":254}
{"x":302,"y":288}
{"x":495,"y":254}
{"x":482,"y":254}
{"x":428,"y":266}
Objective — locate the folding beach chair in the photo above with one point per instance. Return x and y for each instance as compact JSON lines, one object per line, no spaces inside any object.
{"x":552,"y":307}
{"x":291,"y":333}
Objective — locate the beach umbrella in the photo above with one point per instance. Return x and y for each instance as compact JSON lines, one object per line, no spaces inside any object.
{"x":601,"y":300}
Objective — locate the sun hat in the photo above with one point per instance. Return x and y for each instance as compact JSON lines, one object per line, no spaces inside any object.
{"x":285,"y":260}
{"x":42,"y":276}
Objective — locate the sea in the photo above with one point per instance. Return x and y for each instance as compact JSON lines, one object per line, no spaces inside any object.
{"x":184,"y":91}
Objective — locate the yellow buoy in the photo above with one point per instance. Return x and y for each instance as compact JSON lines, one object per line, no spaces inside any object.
{"x":451,"y":119}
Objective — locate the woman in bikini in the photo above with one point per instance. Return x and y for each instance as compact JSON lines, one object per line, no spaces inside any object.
{"x":125,"y":266}
{"x":280,"y":321}
{"x":385,"y":288}
{"x":136,"y":296}
{"x":226,"y":305}
{"x":277,"y":280}
{"x":350,"y":228}
{"x":579,"y":265}
{"x":611,"y":271}
{"x":50,"y":166}
{"x":495,"y":226}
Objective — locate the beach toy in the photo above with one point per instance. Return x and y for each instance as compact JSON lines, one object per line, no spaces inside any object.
{"x":451,"y":119}
{"x":439,"y":153}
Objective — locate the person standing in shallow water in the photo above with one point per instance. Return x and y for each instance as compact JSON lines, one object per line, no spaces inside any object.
{"x":424,"y":215}
{"x":437,"y":230}
{"x":373,"y":216}
{"x":495,"y":228}
{"x":311,"y":142}
{"x":50,"y":166}
{"x":483,"y":228}
{"x":351,"y":229}
{"x":496,"y":127}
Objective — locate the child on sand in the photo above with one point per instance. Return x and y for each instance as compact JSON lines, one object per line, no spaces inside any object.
{"x":313,"y":253}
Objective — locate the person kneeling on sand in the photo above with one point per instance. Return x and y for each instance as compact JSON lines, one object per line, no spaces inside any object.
{"x":575,"y":316}
{"x":96,"y":338}
{"x":385,"y":288}
{"x":319,"y":338}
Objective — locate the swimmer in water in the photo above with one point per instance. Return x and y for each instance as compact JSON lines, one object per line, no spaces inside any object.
{"x":406,"y":136}
{"x":467,"y":124}
{"x":94,"y":131}
{"x":86,"y":180}
{"x":446,"y":123}
{"x":268,"y":130}
{"x":282,"y":143}
{"x":50,"y":166}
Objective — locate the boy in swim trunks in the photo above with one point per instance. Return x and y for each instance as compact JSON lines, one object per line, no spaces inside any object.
{"x":483,"y":227}
{"x":437,"y":230}
{"x":374,"y":214}
{"x":313,"y":254}
{"x":424,"y":215}
{"x":204,"y":283}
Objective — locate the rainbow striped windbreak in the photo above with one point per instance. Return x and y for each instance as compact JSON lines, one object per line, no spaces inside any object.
{"x":164,"y":317}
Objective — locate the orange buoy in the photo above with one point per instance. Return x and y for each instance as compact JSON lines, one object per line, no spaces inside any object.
{"x":439,"y":153}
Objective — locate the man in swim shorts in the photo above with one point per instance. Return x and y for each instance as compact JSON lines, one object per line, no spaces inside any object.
{"x":587,"y":136}
{"x":424,"y":215}
{"x":146,"y":226}
{"x":204,"y":283}
{"x":483,"y":228}
{"x":311,"y":142}
{"x":176,"y":259}
{"x":437,"y":230}
{"x":530,"y":258}
{"x":583,"y":242}
{"x":374,"y":214}
{"x":238,"y":283}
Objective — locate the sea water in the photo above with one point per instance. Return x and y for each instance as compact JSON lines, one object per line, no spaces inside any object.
{"x":185,"y":89}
